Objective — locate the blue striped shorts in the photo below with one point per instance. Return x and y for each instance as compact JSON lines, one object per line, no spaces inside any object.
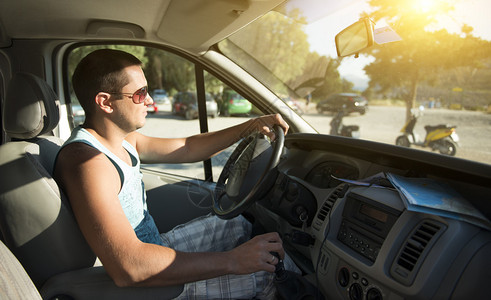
{"x":212,"y":234}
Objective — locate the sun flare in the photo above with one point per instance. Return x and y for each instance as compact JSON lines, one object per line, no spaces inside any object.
{"x":425,"y":5}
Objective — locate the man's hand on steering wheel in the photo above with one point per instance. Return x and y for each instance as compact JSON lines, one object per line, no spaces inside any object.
{"x":241,"y":180}
{"x":265,"y":124}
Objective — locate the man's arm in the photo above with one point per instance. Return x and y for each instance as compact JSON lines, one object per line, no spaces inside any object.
{"x":202,"y":146}
{"x":92,"y":185}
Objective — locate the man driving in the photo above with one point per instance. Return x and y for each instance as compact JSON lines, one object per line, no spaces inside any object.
{"x":98,"y":168}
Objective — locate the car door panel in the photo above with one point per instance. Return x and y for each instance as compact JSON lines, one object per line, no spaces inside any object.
{"x":173,"y":199}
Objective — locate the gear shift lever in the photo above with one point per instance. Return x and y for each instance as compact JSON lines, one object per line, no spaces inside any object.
{"x":290,"y":285}
{"x":280,"y":272}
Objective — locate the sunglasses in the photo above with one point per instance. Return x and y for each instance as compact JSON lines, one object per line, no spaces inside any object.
{"x":138,"y":97}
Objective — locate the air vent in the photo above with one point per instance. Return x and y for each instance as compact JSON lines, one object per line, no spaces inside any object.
{"x":414,"y":250}
{"x":328,"y":204}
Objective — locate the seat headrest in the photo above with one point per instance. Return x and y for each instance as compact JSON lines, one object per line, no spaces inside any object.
{"x":31,"y":107}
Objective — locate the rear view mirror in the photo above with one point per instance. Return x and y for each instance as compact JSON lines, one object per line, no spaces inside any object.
{"x":354,"y":38}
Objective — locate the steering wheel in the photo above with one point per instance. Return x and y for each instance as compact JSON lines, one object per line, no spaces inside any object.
{"x":244,"y":177}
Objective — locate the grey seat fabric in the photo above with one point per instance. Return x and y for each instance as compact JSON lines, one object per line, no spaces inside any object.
{"x":36,"y":222}
{"x":14,"y":281}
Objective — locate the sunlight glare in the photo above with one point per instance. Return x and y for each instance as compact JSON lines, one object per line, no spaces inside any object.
{"x":424,"y":5}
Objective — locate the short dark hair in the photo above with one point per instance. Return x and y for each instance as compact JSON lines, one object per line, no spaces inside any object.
{"x":101,"y":71}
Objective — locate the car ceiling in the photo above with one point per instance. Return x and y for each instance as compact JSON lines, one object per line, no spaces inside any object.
{"x":192,"y":25}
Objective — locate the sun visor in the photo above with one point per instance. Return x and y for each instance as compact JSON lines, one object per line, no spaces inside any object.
{"x":103,"y":28}
{"x":197,"y":25}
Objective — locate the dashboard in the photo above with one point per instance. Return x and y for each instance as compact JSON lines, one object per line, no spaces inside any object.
{"x":362,"y":242}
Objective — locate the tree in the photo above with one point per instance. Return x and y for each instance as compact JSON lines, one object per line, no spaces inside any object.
{"x":332,"y":81}
{"x":169,"y":71}
{"x":78,"y":53}
{"x":424,"y":52}
{"x":276,"y":32}
{"x":295,"y":70}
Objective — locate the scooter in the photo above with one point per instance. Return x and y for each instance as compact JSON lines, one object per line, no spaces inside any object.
{"x":338,"y":128}
{"x":440,"y":137}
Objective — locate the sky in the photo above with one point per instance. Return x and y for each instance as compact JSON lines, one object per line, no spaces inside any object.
{"x":473,"y":12}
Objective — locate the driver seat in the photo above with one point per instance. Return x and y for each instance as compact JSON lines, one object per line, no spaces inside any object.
{"x":36,"y":221}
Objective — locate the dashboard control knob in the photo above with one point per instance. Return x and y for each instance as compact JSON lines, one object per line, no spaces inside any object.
{"x":374,"y":294}
{"x":355,"y":275}
{"x":355,"y":292}
{"x":343,"y":277}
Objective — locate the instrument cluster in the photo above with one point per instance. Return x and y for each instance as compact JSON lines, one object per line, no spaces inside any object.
{"x":325,"y":174}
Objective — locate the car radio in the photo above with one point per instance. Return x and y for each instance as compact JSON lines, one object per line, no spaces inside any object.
{"x":365,"y":225}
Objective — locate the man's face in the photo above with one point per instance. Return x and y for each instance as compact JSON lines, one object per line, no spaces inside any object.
{"x":129,"y":114}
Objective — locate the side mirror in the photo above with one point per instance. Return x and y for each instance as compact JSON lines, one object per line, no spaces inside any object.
{"x":354,"y":38}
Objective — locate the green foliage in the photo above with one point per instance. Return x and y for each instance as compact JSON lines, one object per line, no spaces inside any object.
{"x":332,"y":83}
{"x":213,"y":85}
{"x":77,"y":54}
{"x":269,"y":41}
{"x":267,"y":44}
{"x":169,"y":71}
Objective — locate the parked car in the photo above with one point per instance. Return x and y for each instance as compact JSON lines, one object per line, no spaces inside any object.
{"x":160,"y":96}
{"x":232,"y":103}
{"x":349,"y":102}
{"x":152,"y":108}
{"x":361,"y":218}
{"x":78,"y":114}
{"x":186,"y":104}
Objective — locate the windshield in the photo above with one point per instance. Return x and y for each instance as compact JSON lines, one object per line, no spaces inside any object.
{"x":426,"y":80}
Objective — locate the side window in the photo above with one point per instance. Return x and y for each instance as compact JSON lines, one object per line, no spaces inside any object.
{"x":232,"y":108}
{"x":172,"y":85}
